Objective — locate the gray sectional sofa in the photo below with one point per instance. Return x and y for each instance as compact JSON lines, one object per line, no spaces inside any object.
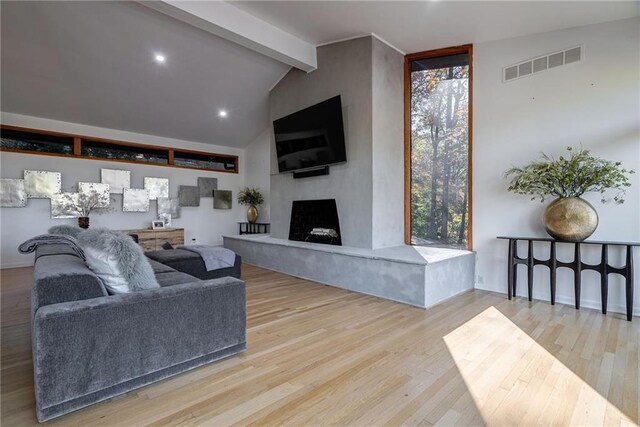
{"x":89,"y":346}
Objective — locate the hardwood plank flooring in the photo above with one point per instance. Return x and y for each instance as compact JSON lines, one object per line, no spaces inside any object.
{"x":319,"y":355}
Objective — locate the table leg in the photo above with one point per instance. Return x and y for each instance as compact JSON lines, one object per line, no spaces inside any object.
{"x":514,"y":272}
{"x":629,"y":282}
{"x":577,"y":274}
{"x":530,"y":268}
{"x":604,"y":277}
{"x":510,"y":269}
{"x":552,"y":272}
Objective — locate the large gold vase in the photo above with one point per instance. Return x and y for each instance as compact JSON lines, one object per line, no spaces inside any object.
{"x":252,"y":214}
{"x":571,"y":219}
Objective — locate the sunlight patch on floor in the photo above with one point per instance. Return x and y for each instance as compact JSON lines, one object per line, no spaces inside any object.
{"x":515,"y":381}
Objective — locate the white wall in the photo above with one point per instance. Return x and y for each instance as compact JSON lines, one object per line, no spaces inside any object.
{"x":203,"y":223}
{"x":595,"y":103}
{"x":257,"y":168}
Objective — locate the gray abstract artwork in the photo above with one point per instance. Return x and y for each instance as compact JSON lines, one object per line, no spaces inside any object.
{"x":135,"y":200}
{"x":65,"y":205}
{"x":207,"y":185}
{"x":118,"y":180}
{"x":101,"y":190}
{"x":169,"y":206}
{"x":12,"y":193}
{"x":42,"y":184}
{"x":188,"y":195}
{"x":157,"y":187}
{"x":222,"y":199}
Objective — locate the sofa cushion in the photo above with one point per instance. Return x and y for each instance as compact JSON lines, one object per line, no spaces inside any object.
{"x":159,"y":267}
{"x":173,"y":255}
{"x":192,"y":263}
{"x":173,"y":277}
{"x":117,"y":260}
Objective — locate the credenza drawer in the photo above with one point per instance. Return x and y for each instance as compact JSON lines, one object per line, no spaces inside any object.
{"x":152,"y":240}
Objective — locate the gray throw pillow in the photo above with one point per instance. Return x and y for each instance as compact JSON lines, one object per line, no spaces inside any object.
{"x":66,"y":230}
{"x":117,"y":260}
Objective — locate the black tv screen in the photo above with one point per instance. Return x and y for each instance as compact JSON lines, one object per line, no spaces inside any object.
{"x":311,"y":138}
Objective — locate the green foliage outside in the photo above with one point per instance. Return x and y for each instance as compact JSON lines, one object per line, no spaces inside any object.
{"x":439,"y":156}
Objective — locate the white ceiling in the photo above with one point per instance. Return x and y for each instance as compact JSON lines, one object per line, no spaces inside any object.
{"x":422,"y":25}
{"x":92,"y":63}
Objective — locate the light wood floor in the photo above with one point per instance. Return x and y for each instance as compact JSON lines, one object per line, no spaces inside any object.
{"x":319,"y":355}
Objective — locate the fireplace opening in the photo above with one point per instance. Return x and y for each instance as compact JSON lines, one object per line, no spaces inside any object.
{"x":315,"y":221}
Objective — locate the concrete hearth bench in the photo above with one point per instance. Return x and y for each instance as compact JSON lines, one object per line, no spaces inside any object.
{"x":191,"y":263}
{"x":420,"y":276}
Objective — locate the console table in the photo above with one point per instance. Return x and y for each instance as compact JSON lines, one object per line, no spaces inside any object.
{"x":604,"y":268}
{"x":254,"y":227}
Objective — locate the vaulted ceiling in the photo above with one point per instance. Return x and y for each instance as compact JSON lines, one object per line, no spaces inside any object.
{"x":93,"y":62}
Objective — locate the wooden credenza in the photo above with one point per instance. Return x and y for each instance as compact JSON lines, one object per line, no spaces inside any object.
{"x":152,"y":240}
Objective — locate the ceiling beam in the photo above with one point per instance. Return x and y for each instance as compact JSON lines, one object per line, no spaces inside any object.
{"x":229,"y":22}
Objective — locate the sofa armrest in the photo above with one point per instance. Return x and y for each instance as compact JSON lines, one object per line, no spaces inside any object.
{"x":85,"y":347}
{"x":59,"y":278}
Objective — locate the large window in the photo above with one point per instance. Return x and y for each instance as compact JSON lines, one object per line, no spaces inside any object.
{"x":438,"y":147}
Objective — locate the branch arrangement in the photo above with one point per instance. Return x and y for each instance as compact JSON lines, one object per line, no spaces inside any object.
{"x":250,"y":197}
{"x":85,"y":204}
{"x":570,"y":176}
{"x":88,"y":203}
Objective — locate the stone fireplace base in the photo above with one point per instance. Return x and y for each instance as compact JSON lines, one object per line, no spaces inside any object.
{"x":419,"y":276}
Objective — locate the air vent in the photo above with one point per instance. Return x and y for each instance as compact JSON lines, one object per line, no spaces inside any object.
{"x":511,"y":73}
{"x":572,"y":55}
{"x":542,"y":63}
{"x":524,"y":69}
{"x":556,"y":60}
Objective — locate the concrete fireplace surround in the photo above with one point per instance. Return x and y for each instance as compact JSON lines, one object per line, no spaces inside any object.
{"x":419,"y":276}
{"x":368,"y":189}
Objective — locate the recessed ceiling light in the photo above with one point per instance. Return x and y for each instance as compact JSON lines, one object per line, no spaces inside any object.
{"x":222,"y":113}
{"x":160,"y":58}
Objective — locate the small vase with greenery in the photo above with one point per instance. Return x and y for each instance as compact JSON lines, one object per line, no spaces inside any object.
{"x":84,"y":205}
{"x":252,"y":198}
{"x":569,"y":217}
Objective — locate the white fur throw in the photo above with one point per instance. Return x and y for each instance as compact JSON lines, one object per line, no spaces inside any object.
{"x":117,"y":260}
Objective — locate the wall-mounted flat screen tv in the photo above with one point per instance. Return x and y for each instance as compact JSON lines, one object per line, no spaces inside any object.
{"x":311,"y":138}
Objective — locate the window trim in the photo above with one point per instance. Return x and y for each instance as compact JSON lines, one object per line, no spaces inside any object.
{"x":77,"y":147}
{"x":454,"y":50}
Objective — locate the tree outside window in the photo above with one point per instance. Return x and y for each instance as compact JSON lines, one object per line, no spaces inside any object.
{"x":439,"y":192}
